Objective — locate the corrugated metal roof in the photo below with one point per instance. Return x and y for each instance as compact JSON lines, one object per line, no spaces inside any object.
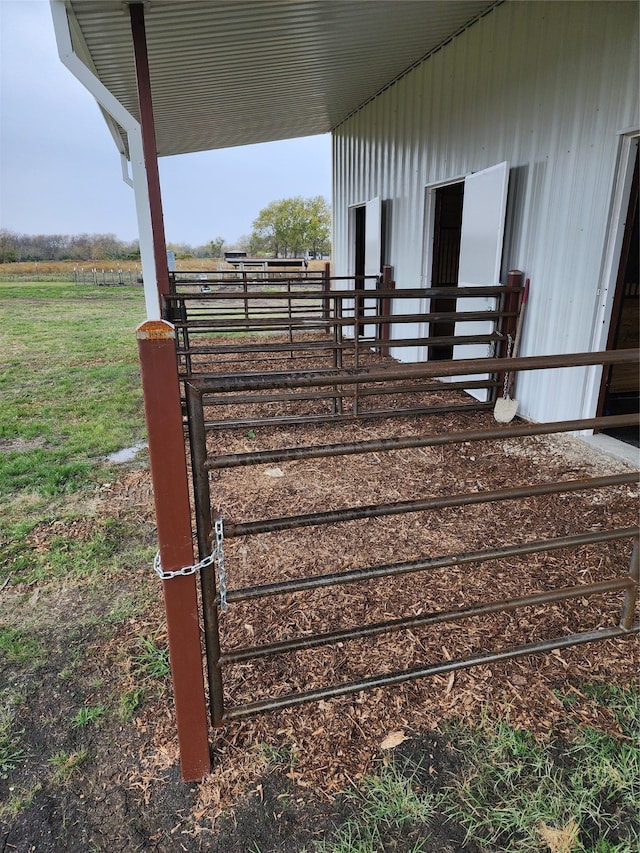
{"x":236,"y":72}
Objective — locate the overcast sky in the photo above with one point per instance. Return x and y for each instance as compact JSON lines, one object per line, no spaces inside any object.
{"x":60,"y":169}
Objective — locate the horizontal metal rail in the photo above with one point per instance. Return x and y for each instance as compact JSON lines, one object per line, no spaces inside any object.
{"x":386,"y":680}
{"x":346,"y":394}
{"x":370,"y":342}
{"x":424,"y":620}
{"x":263,"y":346}
{"x":389,"y":570}
{"x":425,"y":370}
{"x":380,"y":445}
{"x":336,"y":294}
{"x":355,"y":283}
{"x":225,"y":323}
{"x":350,"y":416}
{"x":312,"y":519}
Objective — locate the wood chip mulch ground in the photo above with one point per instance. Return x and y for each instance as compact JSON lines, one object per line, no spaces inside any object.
{"x":333,"y":742}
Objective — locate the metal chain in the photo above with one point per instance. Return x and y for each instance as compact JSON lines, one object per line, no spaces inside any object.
{"x":185,"y":570}
{"x":505,"y":388}
{"x":216,"y":556}
{"x":219,"y":554}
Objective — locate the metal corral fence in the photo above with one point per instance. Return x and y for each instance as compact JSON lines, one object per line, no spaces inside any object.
{"x":311,"y":322}
{"x":348,"y":325}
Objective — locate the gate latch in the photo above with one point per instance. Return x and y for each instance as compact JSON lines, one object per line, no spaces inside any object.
{"x":216,"y":556}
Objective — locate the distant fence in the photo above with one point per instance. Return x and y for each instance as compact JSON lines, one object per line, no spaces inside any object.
{"x":107,"y":277}
{"x":80,"y":275}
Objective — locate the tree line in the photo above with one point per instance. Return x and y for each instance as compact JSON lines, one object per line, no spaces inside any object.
{"x":291,"y":227}
{"x":16,"y":247}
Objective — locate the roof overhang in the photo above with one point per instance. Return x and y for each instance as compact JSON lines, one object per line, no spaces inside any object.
{"x":235,"y":72}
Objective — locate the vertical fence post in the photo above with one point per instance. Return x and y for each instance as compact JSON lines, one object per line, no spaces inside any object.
{"x":204,"y":526}
{"x":245,"y":288}
{"x":631,"y":596}
{"x":384,"y":310}
{"x":326,"y":287}
{"x":156,"y":349}
{"x":508,"y":327}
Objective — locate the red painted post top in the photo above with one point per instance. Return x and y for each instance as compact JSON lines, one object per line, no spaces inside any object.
{"x":157,"y":330}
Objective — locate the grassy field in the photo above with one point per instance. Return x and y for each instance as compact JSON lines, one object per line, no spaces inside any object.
{"x":87,"y":750}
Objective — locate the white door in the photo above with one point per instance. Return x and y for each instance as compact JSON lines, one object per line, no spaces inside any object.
{"x":483,"y":215}
{"x":366,"y":244}
{"x":372,"y":249}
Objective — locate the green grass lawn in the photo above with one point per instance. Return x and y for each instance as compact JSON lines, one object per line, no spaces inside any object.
{"x":70,"y":390}
{"x":69,"y":381}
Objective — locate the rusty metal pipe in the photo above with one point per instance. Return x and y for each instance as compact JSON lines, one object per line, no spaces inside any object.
{"x":335,"y":294}
{"x":306,"y":320}
{"x":628,"y":607}
{"x":428,"y":563}
{"x":386,"y":680}
{"x":292,"y":522}
{"x":426,"y":370}
{"x":380,"y":445}
{"x":198,"y":448}
{"x":346,"y":417}
{"x":270,"y":397}
{"x":424,"y":620}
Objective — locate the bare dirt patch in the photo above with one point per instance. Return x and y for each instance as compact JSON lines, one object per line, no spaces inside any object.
{"x":20,"y":445}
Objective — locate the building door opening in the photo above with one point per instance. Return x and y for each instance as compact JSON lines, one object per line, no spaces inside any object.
{"x":447,"y":232}
{"x":463,"y":236}
{"x":360,"y":253}
{"x":619,"y":393}
{"x":365,"y":226}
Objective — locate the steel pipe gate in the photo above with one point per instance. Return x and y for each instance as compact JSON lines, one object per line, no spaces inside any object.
{"x":313,"y":322}
{"x":202,"y":390}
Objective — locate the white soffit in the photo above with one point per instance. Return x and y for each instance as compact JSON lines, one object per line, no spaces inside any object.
{"x":236,"y":72}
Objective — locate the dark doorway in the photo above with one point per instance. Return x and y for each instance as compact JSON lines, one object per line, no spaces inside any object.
{"x":360,"y":258}
{"x":447,"y":232}
{"x":619,"y":393}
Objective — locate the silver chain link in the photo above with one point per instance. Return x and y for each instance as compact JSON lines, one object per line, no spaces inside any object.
{"x":222,"y":574}
{"x":185,"y":570}
{"x":216,"y":556}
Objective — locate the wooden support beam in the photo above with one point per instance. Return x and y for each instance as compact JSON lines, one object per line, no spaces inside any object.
{"x":163,"y":412}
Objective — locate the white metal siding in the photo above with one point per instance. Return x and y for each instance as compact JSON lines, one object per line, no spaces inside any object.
{"x":549,"y":87}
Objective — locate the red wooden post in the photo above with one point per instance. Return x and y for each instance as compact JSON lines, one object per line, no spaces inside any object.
{"x":156,"y":349}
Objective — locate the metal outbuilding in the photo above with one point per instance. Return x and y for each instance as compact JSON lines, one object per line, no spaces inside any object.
{"x":532,"y":115}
